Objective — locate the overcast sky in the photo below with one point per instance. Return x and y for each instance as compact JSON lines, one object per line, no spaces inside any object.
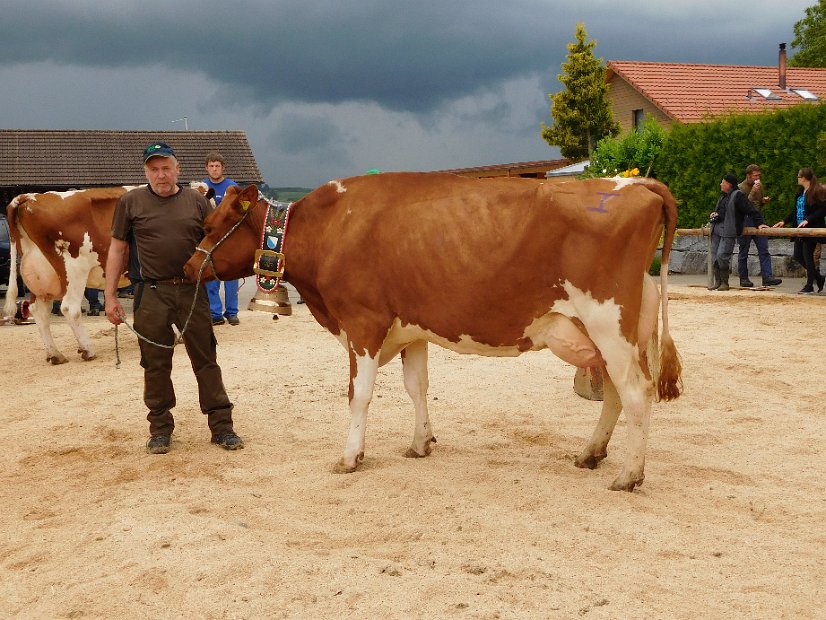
{"x":331,"y":88}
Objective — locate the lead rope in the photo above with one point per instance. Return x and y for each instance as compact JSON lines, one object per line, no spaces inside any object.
{"x":180,"y":334}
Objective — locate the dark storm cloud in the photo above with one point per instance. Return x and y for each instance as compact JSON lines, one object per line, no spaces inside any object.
{"x":410,"y":56}
{"x":327,"y":89}
{"x":404,"y":55}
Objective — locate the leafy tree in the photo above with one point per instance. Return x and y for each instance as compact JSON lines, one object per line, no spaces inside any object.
{"x":637,"y":150}
{"x":581,"y":112}
{"x":810,"y":38}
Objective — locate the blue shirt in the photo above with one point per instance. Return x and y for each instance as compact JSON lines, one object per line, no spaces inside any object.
{"x":220,"y":188}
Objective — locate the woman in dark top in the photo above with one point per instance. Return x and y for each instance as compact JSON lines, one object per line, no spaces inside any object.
{"x":809,"y":212}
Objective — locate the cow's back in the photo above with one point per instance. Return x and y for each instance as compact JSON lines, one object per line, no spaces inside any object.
{"x":428,"y":248}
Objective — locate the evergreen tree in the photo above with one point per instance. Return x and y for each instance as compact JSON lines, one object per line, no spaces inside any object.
{"x":581,"y":112}
{"x":810,"y":38}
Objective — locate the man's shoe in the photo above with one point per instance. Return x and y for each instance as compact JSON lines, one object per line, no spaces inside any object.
{"x":94,"y":311}
{"x":228,"y":440}
{"x":233,"y":320}
{"x":158,"y":444}
{"x":746,"y":283}
{"x":218,"y":321}
{"x":772,"y":281}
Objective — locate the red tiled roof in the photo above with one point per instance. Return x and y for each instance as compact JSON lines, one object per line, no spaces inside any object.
{"x":689,"y":93}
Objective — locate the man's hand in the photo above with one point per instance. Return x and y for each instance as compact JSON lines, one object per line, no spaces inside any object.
{"x":114,"y":311}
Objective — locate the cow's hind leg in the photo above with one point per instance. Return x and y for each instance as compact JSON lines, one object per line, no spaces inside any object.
{"x":363,"y":372}
{"x":636,"y":393}
{"x":41,"y":310}
{"x":414,"y":364}
{"x":597,"y":447}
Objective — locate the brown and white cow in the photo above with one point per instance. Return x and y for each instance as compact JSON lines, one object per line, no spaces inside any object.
{"x":63,"y":241}
{"x":390,"y":262}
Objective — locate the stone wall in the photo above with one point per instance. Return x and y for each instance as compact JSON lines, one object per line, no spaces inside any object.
{"x":689,"y":255}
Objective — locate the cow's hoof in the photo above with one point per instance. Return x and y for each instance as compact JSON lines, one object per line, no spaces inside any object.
{"x":342,"y":467}
{"x":56,"y":360}
{"x":412,"y":454}
{"x":623,"y":484}
{"x":85,"y":355}
{"x":428,"y":448}
{"x":590,"y":461}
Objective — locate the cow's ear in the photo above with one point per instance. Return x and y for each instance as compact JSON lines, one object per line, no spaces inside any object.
{"x":250,"y":192}
{"x":232,"y":189}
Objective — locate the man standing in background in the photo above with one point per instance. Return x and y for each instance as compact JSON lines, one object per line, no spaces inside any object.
{"x":753,"y":189}
{"x":218,"y":182}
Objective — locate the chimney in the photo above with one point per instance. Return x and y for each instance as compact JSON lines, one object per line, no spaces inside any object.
{"x":781,"y":61}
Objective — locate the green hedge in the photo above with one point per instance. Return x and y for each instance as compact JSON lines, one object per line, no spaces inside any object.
{"x":695,"y":157}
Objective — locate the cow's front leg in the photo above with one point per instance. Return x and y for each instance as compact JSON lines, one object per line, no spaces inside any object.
{"x":41,"y":310}
{"x":70,"y":307}
{"x":414,"y":364}
{"x":363,"y":372}
{"x":597,"y":448}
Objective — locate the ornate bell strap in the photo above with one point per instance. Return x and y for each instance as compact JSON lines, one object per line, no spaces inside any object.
{"x":269,"y":259}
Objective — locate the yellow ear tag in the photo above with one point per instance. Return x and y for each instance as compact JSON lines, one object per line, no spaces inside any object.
{"x":245,"y":204}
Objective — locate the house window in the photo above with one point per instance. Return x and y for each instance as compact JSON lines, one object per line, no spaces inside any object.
{"x":765,"y":93}
{"x":637,"y":118}
{"x":806,"y":94}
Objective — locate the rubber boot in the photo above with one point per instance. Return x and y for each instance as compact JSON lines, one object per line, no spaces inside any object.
{"x":715,"y":277}
{"x":724,"y":274}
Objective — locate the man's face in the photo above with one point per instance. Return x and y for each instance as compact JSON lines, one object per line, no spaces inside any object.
{"x":215,"y":170}
{"x":754,"y":175}
{"x":162,"y":174}
{"x":725,"y":186}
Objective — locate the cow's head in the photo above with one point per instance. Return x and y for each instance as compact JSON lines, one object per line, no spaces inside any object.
{"x":232,"y":232}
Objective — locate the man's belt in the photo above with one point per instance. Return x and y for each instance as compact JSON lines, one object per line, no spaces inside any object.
{"x":174,"y":281}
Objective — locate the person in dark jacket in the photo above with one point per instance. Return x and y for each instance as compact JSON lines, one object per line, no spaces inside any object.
{"x":726,"y":225}
{"x":809,"y":212}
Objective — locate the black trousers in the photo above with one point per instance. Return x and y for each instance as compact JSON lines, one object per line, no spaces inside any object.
{"x":157,"y":308}
{"x":804,"y":253}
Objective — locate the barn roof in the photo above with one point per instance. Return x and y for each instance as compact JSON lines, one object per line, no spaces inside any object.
{"x":82,"y":158}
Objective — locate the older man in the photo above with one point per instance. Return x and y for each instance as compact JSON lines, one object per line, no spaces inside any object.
{"x":727,"y":224}
{"x":159,"y":226}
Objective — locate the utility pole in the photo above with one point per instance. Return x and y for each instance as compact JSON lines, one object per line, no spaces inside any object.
{"x":185,"y":120}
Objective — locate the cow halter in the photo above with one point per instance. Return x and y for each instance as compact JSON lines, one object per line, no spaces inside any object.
{"x":245,"y":205}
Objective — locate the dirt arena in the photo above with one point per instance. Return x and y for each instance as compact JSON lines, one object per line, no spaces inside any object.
{"x":497,"y":523}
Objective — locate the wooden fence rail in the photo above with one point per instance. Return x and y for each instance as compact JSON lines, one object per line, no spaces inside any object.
{"x":748,"y":230}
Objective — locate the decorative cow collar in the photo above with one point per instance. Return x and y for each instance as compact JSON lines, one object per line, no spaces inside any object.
{"x":269,"y":263}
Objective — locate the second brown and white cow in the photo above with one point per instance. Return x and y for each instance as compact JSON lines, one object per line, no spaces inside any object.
{"x":388,"y":263}
{"x":63,"y":240}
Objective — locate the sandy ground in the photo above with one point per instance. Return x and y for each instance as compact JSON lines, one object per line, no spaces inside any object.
{"x":497,"y":523}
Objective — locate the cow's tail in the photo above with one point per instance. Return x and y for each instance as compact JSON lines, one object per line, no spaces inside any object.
{"x":669,"y":383}
{"x":10,"y":307}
